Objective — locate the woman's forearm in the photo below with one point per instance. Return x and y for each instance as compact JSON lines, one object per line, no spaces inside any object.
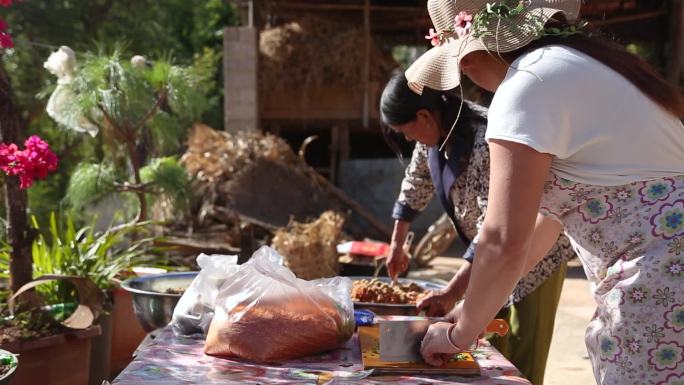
{"x":497,"y":269}
{"x":516,"y":184}
{"x":495,"y":272}
{"x":459,"y":282}
{"x":400,"y":232}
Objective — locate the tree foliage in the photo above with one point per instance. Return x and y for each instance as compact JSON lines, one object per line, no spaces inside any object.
{"x":187,"y":31}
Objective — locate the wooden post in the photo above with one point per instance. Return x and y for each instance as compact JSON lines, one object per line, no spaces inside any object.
{"x":366,"y":60}
{"x":247,"y":243}
{"x":345,"y":148}
{"x":674,"y":59}
{"x":334,"y":153}
{"x":19,"y":234}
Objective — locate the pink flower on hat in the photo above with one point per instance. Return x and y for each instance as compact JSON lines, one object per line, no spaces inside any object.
{"x":464,"y":21}
{"x":433,"y":36}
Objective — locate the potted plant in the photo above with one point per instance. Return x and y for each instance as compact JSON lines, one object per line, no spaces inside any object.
{"x":51,"y":353}
{"x":61,"y":249}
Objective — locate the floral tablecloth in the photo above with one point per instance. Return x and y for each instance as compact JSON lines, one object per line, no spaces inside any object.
{"x":173,"y":360}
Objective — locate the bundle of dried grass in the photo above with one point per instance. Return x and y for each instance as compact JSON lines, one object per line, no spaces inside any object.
{"x":309,"y":249}
{"x":213,"y":156}
{"x":214,"y":159}
{"x":318,"y":51}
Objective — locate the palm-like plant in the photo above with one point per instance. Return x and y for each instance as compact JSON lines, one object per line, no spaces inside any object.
{"x":141,"y":109}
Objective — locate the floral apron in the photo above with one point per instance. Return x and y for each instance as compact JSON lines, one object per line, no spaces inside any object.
{"x":631,"y":242}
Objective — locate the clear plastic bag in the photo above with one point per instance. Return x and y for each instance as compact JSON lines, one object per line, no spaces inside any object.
{"x":264,"y":313}
{"x":195,"y":309}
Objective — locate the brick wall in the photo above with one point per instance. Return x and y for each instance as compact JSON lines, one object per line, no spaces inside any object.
{"x":240,"y":66}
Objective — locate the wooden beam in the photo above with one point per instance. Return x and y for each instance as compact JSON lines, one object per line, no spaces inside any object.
{"x":674,"y":60}
{"x":366,"y":61}
{"x":330,"y":7}
{"x":334,"y":153}
{"x":627,"y":18}
{"x":369,"y":217}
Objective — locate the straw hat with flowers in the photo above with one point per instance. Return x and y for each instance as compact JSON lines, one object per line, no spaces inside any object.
{"x":465,"y":26}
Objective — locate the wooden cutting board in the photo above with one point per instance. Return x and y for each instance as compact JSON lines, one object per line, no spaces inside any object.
{"x":369,"y":338}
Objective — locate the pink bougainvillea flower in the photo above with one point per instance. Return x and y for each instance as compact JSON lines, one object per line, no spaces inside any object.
{"x":3,"y":25}
{"x":34,"y":162}
{"x":433,"y":37}
{"x":464,"y":21}
{"x":5,"y":3}
{"x":6,"y":40}
{"x":8,"y":158}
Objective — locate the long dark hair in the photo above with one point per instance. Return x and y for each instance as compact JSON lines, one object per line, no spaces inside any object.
{"x":633,"y":68}
{"x":400,"y":105}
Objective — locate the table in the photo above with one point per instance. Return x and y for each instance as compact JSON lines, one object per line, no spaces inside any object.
{"x":176,"y":360}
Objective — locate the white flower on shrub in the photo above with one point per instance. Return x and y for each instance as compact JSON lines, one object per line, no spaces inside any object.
{"x":138,"y":61}
{"x":62,"y":64}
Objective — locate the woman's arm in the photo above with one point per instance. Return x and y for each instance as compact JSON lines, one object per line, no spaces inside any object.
{"x":416,"y":187}
{"x":416,"y":192}
{"x":546,"y":232}
{"x":440,"y":302}
{"x":517,"y":177}
{"x":397,"y":260}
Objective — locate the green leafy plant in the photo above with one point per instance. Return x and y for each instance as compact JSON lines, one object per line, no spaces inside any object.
{"x":62,"y":249}
{"x":141,"y":110}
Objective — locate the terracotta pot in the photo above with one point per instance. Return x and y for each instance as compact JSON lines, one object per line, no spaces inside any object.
{"x":62,"y":359}
{"x":126,"y":331}
{"x":100,"y":351}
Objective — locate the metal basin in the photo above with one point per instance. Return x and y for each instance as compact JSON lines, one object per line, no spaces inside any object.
{"x":391,"y":308}
{"x":151,"y":304}
{"x":6,"y":378}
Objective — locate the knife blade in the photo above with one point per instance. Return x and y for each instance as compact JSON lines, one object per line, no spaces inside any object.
{"x":401,"y":336}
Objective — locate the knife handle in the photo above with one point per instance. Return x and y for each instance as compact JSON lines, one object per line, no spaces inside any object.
{"x":498,"y":326}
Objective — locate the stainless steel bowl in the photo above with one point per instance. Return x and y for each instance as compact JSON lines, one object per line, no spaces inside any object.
{"x":394,"y":309}
{"x":151,"y":304}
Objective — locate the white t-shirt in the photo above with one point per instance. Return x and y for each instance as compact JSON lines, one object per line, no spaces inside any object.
{"x":600,"y":128}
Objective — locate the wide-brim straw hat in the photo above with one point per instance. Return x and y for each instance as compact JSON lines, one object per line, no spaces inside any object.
{"x":438,"y":68}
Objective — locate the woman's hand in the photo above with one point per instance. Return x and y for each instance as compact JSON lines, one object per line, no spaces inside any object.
{"x":397,"y":260}
{"x":435,"y":348}
{"x":438,"y":302}
{"x":438,"y":346}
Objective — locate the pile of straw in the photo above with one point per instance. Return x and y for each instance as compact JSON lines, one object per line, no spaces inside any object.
{"x":309,"y":249}
{"x":317,"y":51}
{"x":214,"y":156}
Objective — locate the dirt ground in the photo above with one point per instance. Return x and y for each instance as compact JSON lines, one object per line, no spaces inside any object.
{"x":568,"y":356}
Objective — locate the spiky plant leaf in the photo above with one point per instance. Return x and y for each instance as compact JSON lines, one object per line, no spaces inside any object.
{"x":62,"y":249}
{"x":167,"y":175}
{"x":5,"y":252}
{"x":185,"y":96}
{"x":89,"y":183}
{"x":158,"y":75}
{"x":167,"y":132}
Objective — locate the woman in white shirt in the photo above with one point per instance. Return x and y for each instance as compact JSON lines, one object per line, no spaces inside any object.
{"x":584,"y":138}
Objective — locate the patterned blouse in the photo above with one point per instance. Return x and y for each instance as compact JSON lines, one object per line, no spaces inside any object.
{"x":469,"y":195}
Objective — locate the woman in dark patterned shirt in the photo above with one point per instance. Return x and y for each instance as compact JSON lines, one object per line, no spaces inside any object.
{"x":461,"y":181}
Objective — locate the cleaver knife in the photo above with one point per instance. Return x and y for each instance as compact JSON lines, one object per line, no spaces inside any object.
{"x":401,"y":336}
